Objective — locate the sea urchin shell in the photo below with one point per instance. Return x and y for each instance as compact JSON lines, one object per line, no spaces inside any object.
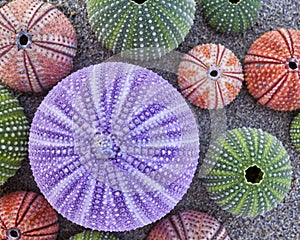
{"x":210,"y":76}
{"x":129,"y":24}
{"x":295,"y":131}
{"x":230,"y":15}
{"x":272,"y":69}
{"x":26,"y":216}
{"x":93,"y":235}
{"x":14,"y":130}
{"x":37,"y":45}
{"x":188,"y":225}
{"x":113,"y":147}
{"x":247,"y":172}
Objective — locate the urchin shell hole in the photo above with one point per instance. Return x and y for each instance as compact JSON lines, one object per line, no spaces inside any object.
{"x":13,"y":234}
{"x":234,"y":1}
{"x":213,"y":73}
{"x":254,"y":174}
{"x":24,"y":40}
{"x":293,"y":65}
{"x":139,"y":1}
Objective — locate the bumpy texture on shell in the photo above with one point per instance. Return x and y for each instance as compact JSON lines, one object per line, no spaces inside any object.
{"x":248,"y":172}
{"x":210,"y":76}
{"x":37,"y":45}
{"x":93,"y":235}
{"x":26,"y":216}
{"x":113,"y":147}
{"x":272,"y":69}
{"x":124,"y":24}
{"x":14,"y":131}
{"x":230,"y":16}
{"x":188,"y":225}
{"x":295,"y":131}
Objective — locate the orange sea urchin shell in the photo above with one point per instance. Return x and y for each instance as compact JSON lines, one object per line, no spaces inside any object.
{"x":210,"y":76}
{"x":189,"y":225}
{"x":37,"y":45}
{"x":272,"y":69}
{"x":27,"y":216}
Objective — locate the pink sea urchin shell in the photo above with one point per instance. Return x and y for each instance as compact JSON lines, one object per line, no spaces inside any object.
{"x":113,"y":147}
{"x":27,"y":216}
{"x":210,"y":76}
{"x":272,"y":69}
{"x":189,"y":225}
{"x":37,"y":45}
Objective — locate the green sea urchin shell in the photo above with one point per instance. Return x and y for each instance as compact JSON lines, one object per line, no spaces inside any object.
{"x":14,"y":130}
{"x":295,"y":131}
{"x":93,"y":235}
{"x":230,"y":15}
{"x":127,"y":24}
{"x":247,"y":172}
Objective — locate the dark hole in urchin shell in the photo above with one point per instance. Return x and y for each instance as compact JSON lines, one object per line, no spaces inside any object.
{"x":293,"y":65}
{"x":213,"y":73}
{"x":24,"y":40}
{"x":234,"y":1}
{"x":254,"y":174}
{"x":139,"y":1}
{"x":13,"y":234}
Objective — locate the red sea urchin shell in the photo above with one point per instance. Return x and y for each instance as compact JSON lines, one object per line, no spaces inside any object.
{"x":210,"y":76}
{"x":189,"y":225}
{"x":272,"y":69}
{"x":26,"y":216}
{"x":37,"y":45}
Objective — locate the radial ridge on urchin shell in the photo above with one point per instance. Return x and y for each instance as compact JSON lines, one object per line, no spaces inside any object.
{"x":38,"y":44}
{"x":151,"y":27}
{"x":187,"y":225}
{"x":231,"y":16}
{"x":272,"y":71}
{"x":93,"y":235}
{"x":27,"y":215}
{"x":14,"y":131}
{"x":247,"y":172}
{"x":113,"y":147}
{"x":295,"y":131}
{"x":210,"y":76}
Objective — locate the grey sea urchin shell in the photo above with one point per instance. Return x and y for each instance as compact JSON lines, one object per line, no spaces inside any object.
{"x":113,"y":147}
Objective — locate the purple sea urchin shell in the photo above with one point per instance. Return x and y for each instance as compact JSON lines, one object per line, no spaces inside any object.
{"x":113,"y":147}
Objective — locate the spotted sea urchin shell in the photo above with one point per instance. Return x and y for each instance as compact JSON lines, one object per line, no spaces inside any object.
{"x":188,"y":225}
{"x":230,"y":16}
{"x":272,"y":69}
{"x":295,"y":131}
{"x":158,"y":26}
{"x":93,"y":235}
{"x":210,"y":76}
{"x":113,"y":147}
{"x":26,"y":216}
{"x":247,"y":172}
{"x":37,"y":45}
{"x":14,"y":130}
